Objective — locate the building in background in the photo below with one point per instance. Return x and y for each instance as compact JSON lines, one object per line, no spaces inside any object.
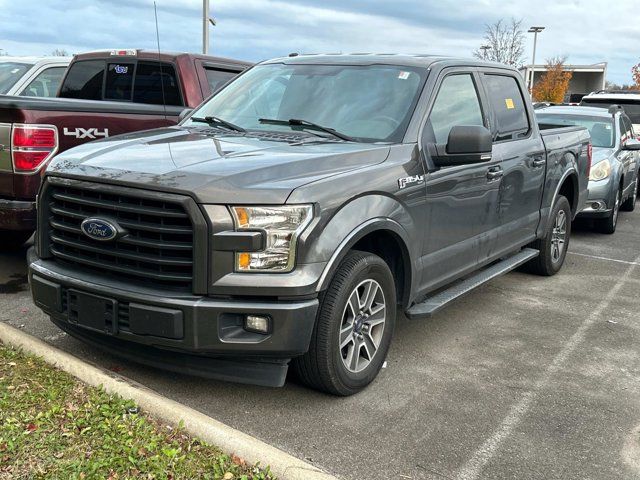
{"x":585,"y":79}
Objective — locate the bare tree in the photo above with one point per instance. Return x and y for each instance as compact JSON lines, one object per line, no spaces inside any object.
{"x":60,"y":52}
{"x":505,"y":40}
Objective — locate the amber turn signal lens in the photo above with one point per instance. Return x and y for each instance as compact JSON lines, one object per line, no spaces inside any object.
{"x":242,"y":216}
{"x":244,"y":259}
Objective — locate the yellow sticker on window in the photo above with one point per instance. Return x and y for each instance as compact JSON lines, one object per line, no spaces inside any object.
{"x":509,"y":102}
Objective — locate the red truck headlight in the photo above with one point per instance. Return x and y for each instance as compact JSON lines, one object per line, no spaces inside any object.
{"x":32,"y":146}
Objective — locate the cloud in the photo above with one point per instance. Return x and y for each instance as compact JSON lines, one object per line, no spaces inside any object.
{"x":584,"y":30}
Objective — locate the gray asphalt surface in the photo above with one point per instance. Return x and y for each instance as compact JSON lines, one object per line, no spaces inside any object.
{"x":525,"y":378}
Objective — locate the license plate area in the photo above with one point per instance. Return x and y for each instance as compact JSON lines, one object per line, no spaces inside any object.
{"x":92,"y":311}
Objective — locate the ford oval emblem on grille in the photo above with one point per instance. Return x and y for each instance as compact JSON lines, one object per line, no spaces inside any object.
{"x":99,"y":229}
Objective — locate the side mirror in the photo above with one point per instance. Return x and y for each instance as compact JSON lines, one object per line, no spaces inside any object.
{"x":184,"y":114}
{"x":632,"y":144}
{"x":466,"y":145}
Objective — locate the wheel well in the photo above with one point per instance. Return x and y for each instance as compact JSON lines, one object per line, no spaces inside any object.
{"x":569,"y":190}
{"x":388,"y":246}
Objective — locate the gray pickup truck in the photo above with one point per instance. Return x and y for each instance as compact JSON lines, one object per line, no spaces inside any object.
{"x":295,"y":213}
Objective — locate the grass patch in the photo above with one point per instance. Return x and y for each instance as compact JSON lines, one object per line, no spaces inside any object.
{"x":55,"y":427}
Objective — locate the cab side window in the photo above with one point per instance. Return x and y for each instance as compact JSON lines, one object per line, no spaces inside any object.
{"x":45,"y":84}
{"x":457,"y":104}
{"x":508,"y":106}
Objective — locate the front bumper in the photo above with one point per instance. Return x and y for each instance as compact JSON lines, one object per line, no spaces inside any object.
{"x":600,"y":200}
{"x":181,"y":332}
{"x":17,"y":215}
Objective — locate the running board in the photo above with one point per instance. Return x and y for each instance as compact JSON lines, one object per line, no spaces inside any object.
{"x":432,"y":304}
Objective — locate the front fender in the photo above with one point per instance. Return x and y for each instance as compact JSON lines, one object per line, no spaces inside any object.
{"x":358,"y":218}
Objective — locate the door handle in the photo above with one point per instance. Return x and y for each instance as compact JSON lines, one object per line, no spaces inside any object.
{"x":494,"y":173}
{"x":539,"y":162}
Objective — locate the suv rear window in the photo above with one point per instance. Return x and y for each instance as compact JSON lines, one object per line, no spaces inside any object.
{"x":508,"y":105}
{"x":631,"y":107}
{"x":84,"y":80}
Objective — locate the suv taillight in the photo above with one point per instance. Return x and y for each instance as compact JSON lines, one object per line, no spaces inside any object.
{"x":32,"y":146}
{"x":589,"y":158}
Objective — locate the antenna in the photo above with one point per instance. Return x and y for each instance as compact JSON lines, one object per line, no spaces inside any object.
{"x":164,"y":101}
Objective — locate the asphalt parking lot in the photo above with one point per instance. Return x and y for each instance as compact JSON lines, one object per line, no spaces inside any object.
{"x":525,"y":378}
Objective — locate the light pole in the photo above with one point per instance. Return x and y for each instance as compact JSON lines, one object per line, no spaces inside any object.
{"x":535,"y":31}
{"x":206,"y":19}
{"x":484,"y":49}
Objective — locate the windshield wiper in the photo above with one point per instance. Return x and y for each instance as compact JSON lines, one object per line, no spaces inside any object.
{"x":295,"y":122}
{"x":211,"y":120}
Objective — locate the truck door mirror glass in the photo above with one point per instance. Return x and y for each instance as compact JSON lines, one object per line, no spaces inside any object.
{"x":632,"y":144}
{"x":184,"y":114}
{"x":466,"y":145}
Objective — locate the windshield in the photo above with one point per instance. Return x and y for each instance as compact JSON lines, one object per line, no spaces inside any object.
{"x":600,"y":128}
{"x":631,"y":107}
{"x":10,"y":73}
{"x":371,"y":103}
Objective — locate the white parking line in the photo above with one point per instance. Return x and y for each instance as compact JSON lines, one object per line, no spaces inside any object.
{"x":626,"y":262}
{"x":472,"y":469}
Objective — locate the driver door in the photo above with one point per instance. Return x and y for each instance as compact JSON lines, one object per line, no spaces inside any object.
{"x":461,"y":199}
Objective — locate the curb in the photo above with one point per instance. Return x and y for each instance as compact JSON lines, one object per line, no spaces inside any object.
{"x":229,"y":440}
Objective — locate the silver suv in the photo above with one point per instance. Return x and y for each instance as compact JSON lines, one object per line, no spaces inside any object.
{"x":613,"y":181}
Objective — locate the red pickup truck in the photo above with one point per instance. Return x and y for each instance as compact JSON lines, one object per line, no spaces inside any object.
{"x":102,"y":94}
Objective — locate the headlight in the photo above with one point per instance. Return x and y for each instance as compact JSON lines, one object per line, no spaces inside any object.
{"x":601,"y":171}
{"x":282,"y":226}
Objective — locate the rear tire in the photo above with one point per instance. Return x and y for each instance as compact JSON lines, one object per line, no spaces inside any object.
{"x":553,"y":246}
{"x":13,"y":240}
{"x":356,"y":317}
{"x":608,"y":225}
{"x":629,"y":204}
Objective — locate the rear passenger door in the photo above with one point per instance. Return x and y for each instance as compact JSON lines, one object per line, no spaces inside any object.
{"x":521,"y":153}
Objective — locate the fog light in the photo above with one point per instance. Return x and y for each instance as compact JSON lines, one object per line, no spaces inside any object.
{"x":595,"y":206}
{"x":257,"y":323}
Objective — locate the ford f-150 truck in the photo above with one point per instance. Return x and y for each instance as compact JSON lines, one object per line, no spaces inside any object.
{"x":295,"y":213}
{"x":105,"y":93}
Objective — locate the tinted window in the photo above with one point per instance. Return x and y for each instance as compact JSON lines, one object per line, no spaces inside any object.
{"x":119,"y":81}
{"x":508,"y":105}
{"x":151,"y":79}
{"x":45,"y":84}
{"x":217,"y":78}
{"x":10,"y":73}
{"x":84,"y":80}
{"x":457,"y":104}
{"x":631,"y":107}
{"x":368,"y":102}
{"x":600,"y":128}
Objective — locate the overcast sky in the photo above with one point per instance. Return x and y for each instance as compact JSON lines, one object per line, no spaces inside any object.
{"x":586,"y":31}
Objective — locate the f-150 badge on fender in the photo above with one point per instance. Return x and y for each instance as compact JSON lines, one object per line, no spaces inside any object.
{"x":406,"y":181}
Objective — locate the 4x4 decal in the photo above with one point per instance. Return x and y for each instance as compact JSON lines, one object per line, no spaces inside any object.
{"x":80,"y":133}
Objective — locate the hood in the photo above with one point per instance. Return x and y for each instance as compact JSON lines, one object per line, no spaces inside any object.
{"x":600,"y":154}
{"x":213,"y":167}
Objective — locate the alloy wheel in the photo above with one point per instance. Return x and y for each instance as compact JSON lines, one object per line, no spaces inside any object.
{"x":558,"y":236}
{"x":362,"y":326}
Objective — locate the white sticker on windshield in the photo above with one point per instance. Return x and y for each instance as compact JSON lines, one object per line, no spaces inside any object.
{"x":15,"y":70}
{"x":404,"y":75}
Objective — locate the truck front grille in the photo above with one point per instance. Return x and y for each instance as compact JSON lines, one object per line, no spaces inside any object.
{"x":156,"y":248}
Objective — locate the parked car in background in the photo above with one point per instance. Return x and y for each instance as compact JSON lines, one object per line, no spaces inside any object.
{"x":613,"y":181}
{"x":32,"y":76}
{"x":105,"y":93}
{"x":295,"y":211}
{"x":629,"y":100}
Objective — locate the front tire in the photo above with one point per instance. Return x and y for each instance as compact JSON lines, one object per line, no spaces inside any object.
{"x":554,"y":245}
{"x":353,"y":329}
{"x":629,"y":204}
